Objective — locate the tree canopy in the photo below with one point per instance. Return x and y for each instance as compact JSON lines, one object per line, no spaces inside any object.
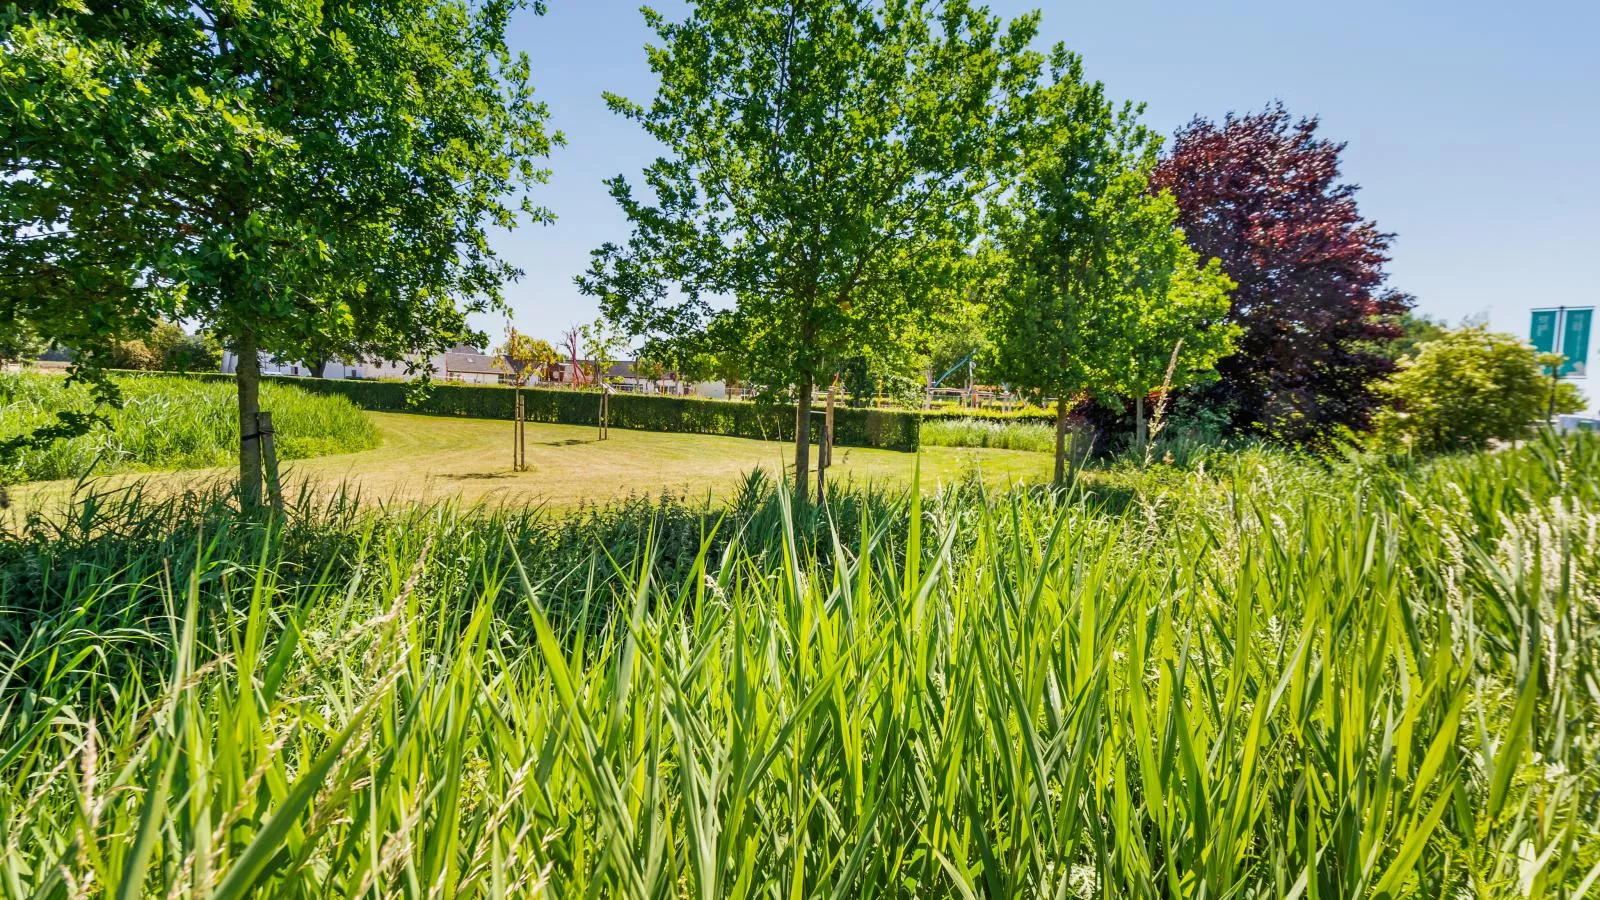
{"x":1096,"y":284}
{"x":1262,"y":193}
{"x":301,"y":180}
{"x":823,"y":171}
{"x":1468,"y":387}
{"x":523,"y":356}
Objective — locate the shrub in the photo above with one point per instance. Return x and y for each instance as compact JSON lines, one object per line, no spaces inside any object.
{"x":170,"y":422}
{"x":1468,"y":388}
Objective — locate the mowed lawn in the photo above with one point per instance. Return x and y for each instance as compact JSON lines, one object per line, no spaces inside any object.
{"x":435,"y":458}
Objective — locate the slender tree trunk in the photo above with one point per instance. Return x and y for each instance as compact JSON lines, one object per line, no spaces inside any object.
{"x":802,"y":438}
{"x":1061,"y":441}
{"x":1140,"y":432}
{"x":247,"y":376}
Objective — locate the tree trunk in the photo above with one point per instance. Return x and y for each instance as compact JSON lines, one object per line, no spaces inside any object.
{"x":317,"y":367}
{"x":1141,"y":435}
{"x":802,"y":438}
{"x":247,"y":376}
{"x":1061,"y":441}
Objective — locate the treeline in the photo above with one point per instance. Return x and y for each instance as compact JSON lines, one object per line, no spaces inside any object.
{"x":880,"y":189}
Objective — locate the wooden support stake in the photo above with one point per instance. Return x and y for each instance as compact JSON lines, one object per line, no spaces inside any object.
{"x":825,"y":443}
{"x":519,"y":440}
{"x":269,"y":461}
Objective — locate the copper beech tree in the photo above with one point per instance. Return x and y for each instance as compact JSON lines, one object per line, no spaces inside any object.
{"x":1262,"y":193}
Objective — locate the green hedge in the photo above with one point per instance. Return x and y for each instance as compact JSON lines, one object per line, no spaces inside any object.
{"x":990,"y":415}
{"x":888,"y":430}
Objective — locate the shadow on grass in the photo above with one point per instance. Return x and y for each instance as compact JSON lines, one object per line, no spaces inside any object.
{"x":566,"y":442}
{"x":478,"y":476}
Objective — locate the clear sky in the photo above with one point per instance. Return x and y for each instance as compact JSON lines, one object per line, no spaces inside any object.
{"x":1472,"y":128}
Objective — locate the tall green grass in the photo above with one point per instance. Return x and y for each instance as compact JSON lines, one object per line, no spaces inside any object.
{"x":1269,"y":680}
{"x":996,"y":433}
{"x":170,"y":422}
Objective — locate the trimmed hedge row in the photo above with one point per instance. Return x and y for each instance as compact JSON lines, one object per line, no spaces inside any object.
{"x":884,"y":429}
{"x":990,"y":415}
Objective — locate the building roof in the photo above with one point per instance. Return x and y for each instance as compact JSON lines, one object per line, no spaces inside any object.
{"x":472,"y":363}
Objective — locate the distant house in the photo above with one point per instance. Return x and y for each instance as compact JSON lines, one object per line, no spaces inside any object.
{"x":469,"y":365}
{"x":465,"y":364}
{"x":461,"y":363}
{"x":623,"y":376}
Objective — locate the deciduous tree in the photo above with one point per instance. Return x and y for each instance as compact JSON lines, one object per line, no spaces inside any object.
{"x":1469,"y":387}
{"x":1176,"y":328}
{"x":300,"y":179}
{"x":1093,"y":273}
{"x":523,"y":357}
{"x":823,"y":168}
{"x":1262,"y":193}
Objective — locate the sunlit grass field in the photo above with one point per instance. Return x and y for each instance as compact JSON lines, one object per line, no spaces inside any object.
{"x":169,"y":422}
{"x":1259,"y":678}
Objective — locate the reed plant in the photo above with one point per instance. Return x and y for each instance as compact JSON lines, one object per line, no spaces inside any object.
{"x":997,"y":433}
{"x":1274,"y":679}
{"x":169,"y":422}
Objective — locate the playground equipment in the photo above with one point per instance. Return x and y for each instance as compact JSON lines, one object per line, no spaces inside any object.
{"x":968,"y":394}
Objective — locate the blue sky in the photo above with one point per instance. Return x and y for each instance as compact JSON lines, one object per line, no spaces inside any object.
{"x":1472,"y":128}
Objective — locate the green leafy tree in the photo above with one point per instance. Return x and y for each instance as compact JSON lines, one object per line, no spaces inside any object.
{"x":651,"y":370}
{"x":824,"y":165}
{"x":1469,"y":387}
{"x":1415,"y":329}
{"x":179,"y":351}
{"x":1095,"y":285}
{"x":523,"y":357}
{"x":1175,"y":326}
{"x":135,"y":355}
{"x":602,"y":345}
{"x":302,"y":180}
{"x":20,"y":342}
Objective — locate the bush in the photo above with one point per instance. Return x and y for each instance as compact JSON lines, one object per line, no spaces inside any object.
{"x":1468,"y":388}
{"x":998,"y":433}
{"x":888,"y":430}
{"x":169,"y":422}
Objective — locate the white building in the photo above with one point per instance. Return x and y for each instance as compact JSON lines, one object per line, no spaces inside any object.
{"x":469,"y":365}
{"x":461,"y":363}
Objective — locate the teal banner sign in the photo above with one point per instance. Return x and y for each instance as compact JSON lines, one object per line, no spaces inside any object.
{"x":1564,"y":331}
{"x":1543,"y":333}
{"x":1575,"y":342}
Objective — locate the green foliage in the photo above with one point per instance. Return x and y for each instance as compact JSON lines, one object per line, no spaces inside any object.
{"x":823,"y":168}
{"x":306,"y":180}
{"x":20,"y":342}
{"x":1415,"y":330}
{"x":525,"y":357}
{"x":1467,"y":388}
{"x":179,"y":351}
{"x":165,"y":422}
{"x":1096,"y":285}
{"x":134,"y":355}
{"x":886,"y":429}
{"x":999,"y":433}
{"x":1362,"y":682}
{"x":602,"y":344}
